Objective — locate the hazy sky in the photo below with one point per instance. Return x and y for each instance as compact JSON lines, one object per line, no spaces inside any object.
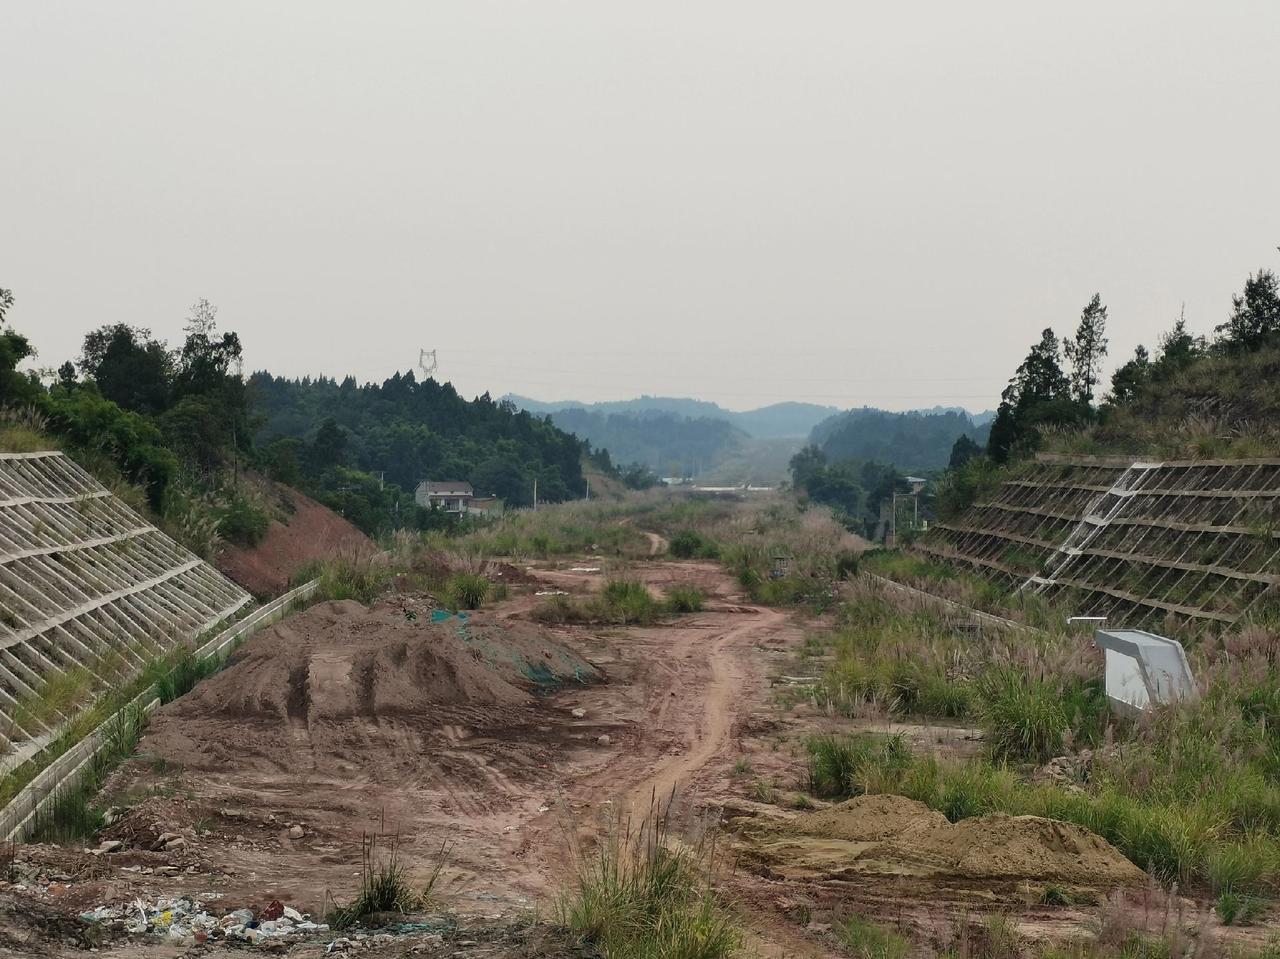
{"x":850,"y":203}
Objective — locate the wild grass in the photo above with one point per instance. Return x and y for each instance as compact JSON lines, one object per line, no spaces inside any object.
{"x":565,"y":529}
{"x":25,"y":430}
{"x":642,"y":895}
{"x":1189,"y":792}
{"x":1023,"y":716}
{"x":385,"y":887}
{"x":691,"y":544}
{"x":866,"y":940}
{"x":467,"y":591}
{"x":1175,"y":843}
{"x":623,"y":602}
{"x":685,"y":599}
{"x":72,"y":814}
{"x":361,"y":578}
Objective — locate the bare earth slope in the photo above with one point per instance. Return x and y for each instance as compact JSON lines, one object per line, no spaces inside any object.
{"x":312,"y":532}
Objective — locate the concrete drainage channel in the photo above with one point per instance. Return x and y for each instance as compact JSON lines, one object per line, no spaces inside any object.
{"x":23,"y":811}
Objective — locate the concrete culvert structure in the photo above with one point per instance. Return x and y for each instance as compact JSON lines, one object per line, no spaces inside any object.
{"x":1143,"y":669}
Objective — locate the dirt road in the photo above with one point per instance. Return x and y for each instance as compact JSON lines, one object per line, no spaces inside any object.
{"x":503,"y":787}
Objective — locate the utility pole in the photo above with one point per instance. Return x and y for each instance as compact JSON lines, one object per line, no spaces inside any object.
{"x":588,"y":489}
{"x":535,"y":494}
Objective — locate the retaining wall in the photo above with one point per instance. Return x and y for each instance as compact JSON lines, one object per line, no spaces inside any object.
{"x":65,"y":772}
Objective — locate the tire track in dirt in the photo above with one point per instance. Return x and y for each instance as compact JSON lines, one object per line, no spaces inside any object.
{"x":727,"y":690}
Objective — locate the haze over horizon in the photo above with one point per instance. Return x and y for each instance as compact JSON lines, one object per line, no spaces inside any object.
{"x":745,"y":203}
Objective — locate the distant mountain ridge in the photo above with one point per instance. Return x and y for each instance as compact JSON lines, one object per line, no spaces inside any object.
{"x":776,"y":421}
{"x":681,"y":436}
{"x":915,"y":440}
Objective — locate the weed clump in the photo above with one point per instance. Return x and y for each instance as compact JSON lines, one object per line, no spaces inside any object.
{"x":362,"y":579}
{"x":685,"y":599}
{"x":385,"y":887}
{"x":691,"y":544}
{"x":1023,"y":718}
{"x":866,"y":940}
{"x":467,"y":591}
{"x":638,"y":897}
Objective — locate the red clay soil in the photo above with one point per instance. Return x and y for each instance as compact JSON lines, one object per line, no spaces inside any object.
{"x":341,"y":688}
{"x":312,"y":532}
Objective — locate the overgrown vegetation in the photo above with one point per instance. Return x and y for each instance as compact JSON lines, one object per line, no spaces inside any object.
{"x":622,"y":601}
{"x":640,"y":895}
{"x":467,"y":590}
{"x":362,"y":579}
{"x":1190,"y":792}
{"x":73,"y":813}
{"x":691,"y":544}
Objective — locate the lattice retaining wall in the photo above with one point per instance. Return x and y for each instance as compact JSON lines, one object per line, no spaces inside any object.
{"x":89,"y":592}
{"x":1133,"y":541}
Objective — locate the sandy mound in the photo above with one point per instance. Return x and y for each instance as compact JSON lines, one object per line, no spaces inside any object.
{"x":310,"y":532}
{"x":340,"y":687}
{"x":871,"y":819}
{"x":1019,"y":847}
{"x":894,"y":836}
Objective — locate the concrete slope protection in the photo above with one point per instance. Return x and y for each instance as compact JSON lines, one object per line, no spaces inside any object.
{"x":1131,"y":540}
{"x":89,"y":593}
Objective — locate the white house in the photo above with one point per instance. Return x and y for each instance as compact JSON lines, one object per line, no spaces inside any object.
{"x":451,"y":495}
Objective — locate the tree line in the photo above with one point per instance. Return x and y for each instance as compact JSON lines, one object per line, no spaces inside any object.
{"x":181,"y":423}
{"x":1055,"y":386}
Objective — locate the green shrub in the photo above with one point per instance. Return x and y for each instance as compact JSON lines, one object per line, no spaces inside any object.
{"x":629,"y":602}
{"x":690,"y":544}
{"x":685,"y":599}
{"x":240,"y":520}
{"x":466,"y":591}
{"x":937,"y":695}
{"x":1023,"y":718}
{"x":1239,"y":909}
{"x":836,"y":764}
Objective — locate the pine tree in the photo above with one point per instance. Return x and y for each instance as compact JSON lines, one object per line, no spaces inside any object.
{"x":1130,"y":378}
{"x":1255,"y":314}
{"x":1035,"y":393}
{"x":1085,"y":353}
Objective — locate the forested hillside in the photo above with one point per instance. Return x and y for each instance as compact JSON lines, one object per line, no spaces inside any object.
{"x":182,"y":427}
{"x":908,"y":441}
{"x":408,"y":431}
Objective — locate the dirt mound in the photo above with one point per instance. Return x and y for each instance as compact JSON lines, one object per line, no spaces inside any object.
{"x":340,"y":687}
{"x":871,"y":819}
{"x":1019,"y":847}
{"x":894,"y":836}
{"x":309,"y":532}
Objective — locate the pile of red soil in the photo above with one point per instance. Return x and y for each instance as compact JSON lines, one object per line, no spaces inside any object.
{"x":309,"y":532}
{"x":340,"y":688}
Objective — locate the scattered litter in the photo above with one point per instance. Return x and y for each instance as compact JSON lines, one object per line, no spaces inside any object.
{"x":578,"y":713}
{"x":184,"y":920}
{"x":584,"y":569}
{"x":551,"y":592}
